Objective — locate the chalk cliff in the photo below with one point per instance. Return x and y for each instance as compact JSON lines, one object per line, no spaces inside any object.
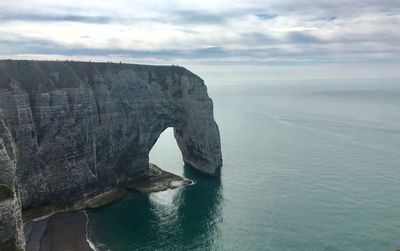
{"x":69,"y":130}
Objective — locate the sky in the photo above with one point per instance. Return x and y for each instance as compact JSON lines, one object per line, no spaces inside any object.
{"x":242,"y":39}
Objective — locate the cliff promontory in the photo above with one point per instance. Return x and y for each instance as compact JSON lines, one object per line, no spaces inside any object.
{"x":70,"y":130}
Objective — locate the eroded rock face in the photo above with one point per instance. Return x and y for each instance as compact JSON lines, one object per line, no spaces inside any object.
{"x":11,"y":228}
{"x":80,"y":128}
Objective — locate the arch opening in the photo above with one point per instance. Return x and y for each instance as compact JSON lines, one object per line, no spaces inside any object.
{"x":166,"y":154}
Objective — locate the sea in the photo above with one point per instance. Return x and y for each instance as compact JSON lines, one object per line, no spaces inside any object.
{"x":308,"y":165}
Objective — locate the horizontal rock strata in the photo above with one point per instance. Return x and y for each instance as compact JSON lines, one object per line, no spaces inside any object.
{"x":69,"y":130}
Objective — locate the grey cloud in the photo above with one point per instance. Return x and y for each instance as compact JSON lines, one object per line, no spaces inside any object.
{"x":266,"y":16}
{"x":294,"y":37}
{"x":309,"y":54}
{"x":195,"y":17}
{"x":180,"y":17}
{"x":23,"y":45}
{"x":300,"y":37}
{"x":192,"y":16}
{"x":45,"y":17}
{"x":306,"y":45}
{"x":257,"y":38}
{"x":335,"y":8}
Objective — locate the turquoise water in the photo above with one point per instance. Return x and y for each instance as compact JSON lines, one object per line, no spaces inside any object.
{"x":307,"y":166}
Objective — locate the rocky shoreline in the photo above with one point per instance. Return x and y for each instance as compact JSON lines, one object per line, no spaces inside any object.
{"x":63,"y":227}
{"x":159,"y":180}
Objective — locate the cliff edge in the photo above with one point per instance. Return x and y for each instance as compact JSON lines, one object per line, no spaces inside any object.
{"x":69,"y":130}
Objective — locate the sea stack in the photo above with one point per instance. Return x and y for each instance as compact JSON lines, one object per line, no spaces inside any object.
{"x":71,"y":130}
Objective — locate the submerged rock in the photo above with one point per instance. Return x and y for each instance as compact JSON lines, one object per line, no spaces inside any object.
{"x":69,"y":130}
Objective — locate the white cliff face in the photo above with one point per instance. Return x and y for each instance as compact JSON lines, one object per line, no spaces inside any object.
{"x":11,"y":228}
{"x":198,"y":139}
{"x":82,"y":128}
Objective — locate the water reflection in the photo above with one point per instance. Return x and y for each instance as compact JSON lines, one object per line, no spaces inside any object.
{"x":202,"y":211}
{"x":181,"y":219}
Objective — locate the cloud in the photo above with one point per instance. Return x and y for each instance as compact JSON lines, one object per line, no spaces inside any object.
{"x":220,"y":31}
{"x":299,"y":37}
{"x":46,"y":17}
{"x":266,"y":16}
{"x":328,"y":8}
{"x":23,"y":45}
{"x":196,"y":17}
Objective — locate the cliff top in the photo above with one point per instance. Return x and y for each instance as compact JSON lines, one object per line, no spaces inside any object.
{"x":51,"y":75}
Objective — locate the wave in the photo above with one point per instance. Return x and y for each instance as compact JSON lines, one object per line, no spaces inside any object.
{"x":91,"y":244}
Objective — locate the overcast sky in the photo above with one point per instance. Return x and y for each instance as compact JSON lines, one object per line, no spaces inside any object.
{"x":316,"y":39}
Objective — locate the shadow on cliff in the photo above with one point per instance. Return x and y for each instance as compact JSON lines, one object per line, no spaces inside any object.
{"x":180,"y":219}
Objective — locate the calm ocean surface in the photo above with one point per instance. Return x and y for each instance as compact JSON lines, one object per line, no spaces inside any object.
{"x":307,"y":166}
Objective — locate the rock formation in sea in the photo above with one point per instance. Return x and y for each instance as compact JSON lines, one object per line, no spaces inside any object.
{"x":70,"y":130}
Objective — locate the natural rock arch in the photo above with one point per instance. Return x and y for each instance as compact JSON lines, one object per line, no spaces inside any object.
{"x":81,"y":128}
